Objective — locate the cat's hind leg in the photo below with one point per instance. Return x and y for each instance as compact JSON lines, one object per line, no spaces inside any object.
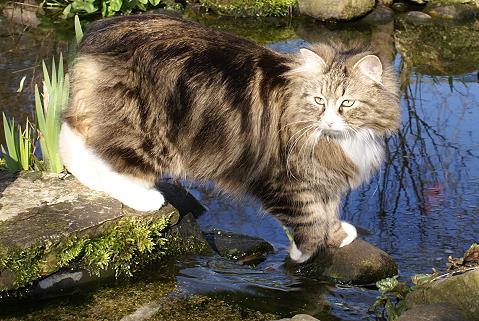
{"x":96,"y":174}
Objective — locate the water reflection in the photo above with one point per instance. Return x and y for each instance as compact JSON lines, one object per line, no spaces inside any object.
{"x":420,"y":208}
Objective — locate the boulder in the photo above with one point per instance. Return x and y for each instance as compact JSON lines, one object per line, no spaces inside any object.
{"x":242,"y":248}
{"x":335,"y":10}
{"x":300,"y":317}
{"x":359,"y":263}
{"x":461,"y":291}
{"x":433,"y":312}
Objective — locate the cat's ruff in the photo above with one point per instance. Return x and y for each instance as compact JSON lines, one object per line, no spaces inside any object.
{"x":96,"y":174}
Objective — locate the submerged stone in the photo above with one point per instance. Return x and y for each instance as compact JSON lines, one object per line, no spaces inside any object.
{"x":458,"y":12}
{"x":359,"y":263}
{"x":242,"y":248}
{"x":461,"y":291}
{"x":433,"y":312}
{"x":335,"y":10}
{"x":417,"y":17}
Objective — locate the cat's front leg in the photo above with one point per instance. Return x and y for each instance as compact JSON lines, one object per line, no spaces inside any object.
{"x":317,"y":227}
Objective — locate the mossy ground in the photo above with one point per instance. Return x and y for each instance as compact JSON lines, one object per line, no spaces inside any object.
{"x":124,"y":246}
{"x":250,"y":8}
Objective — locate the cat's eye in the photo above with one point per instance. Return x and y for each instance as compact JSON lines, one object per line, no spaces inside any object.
{"x":347,"y":103}
{"x":319,"y":100}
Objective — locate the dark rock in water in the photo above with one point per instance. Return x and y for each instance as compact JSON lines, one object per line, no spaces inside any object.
{"x":189,"y":236}
{"x":380,"y":15}
{"x":457,"y":12}
{"x":460,"y":290}
{"x":335,"y":10}
{"x":359,"y":263}
{"x":433,"y":312}
{"x":243,"y":248}
{"x":417,"y":17}
{"x":400,"y":7}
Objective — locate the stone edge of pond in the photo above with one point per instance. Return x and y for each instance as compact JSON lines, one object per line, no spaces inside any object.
{"x":123,"y":241}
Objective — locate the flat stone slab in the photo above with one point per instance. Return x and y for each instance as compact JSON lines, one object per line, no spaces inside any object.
{"x":44,"y":218}
{"x":358,"y":263}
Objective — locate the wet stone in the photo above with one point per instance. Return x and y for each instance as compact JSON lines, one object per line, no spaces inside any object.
{"x":417,"y":17}
{"x":300,"y":317}
{"x":457,"y":12}
{"x":335,"y":10}
{"x":460,"y":291}
{"x":359,"y":263}
{"x":242,"y":248}
{"x":380,"y":15}
{"x":433,"y":312}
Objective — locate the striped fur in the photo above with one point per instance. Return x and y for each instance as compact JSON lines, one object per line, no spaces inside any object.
{"x":154,"y":95}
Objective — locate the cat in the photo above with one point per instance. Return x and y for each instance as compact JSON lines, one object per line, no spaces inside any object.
{"x":152,"y":95}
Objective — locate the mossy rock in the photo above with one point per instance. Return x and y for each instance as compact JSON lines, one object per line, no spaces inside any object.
{"x":461,"y":291}
{"x":438,"y":49}
{"x":48,"y":222}
{"x":250,"y":8}
{"x":262,"y":30}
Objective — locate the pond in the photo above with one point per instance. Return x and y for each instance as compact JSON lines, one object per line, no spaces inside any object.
{"x":420,"y":208}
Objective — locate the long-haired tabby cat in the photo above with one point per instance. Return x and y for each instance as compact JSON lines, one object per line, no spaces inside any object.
{"x":154,"y":95}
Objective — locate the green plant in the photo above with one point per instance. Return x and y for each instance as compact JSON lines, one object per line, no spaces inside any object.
{"x":391,"y":301}
{"x":48,"y":107}
{"x":106,"y":7}
{"x":19,"y":145}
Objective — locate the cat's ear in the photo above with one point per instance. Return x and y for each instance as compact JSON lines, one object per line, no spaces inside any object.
{"x":311,"y":62}
{"x":370,"y":66}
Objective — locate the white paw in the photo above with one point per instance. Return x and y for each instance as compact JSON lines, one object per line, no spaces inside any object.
{"x":146,"y":200}
{"x":351,"y":231}
{"x":296,"y":255}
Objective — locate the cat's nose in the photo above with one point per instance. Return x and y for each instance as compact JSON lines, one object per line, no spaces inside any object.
{"x":330,"y":124}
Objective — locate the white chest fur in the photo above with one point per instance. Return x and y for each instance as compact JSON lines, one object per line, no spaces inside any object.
{"x":366,"y":151}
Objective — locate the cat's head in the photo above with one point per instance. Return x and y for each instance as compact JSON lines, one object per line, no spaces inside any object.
{"x":344,"y":91}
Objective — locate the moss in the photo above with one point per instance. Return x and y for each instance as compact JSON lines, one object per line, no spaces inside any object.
{"x":125,"y":245}
{"x":262,"y":30}
{"x":250,"y":8}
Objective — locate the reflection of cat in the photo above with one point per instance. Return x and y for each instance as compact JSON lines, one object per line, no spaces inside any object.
{"x":153,"y":95}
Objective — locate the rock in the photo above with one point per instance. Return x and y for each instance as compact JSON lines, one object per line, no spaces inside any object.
{"x":461,"y":291}
{"x":243,"y":248}
{"x":48,"y":222}
{"x":188,"y":237}
{"x":417,"y":17}
{"x":438,"y":49}
{"x":181,"y":199}
{"x":250,"y":8}
{"x":300,"y":317}
{"x":400,"y":7}
{"x":386,"y":2}
{"x":24,"y":13}
{"x":433,"y":312}
{"x":359,"y":263}
{"x":458,"y":12}
{"x":335,"y":10}
{"x":380,"y":15}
